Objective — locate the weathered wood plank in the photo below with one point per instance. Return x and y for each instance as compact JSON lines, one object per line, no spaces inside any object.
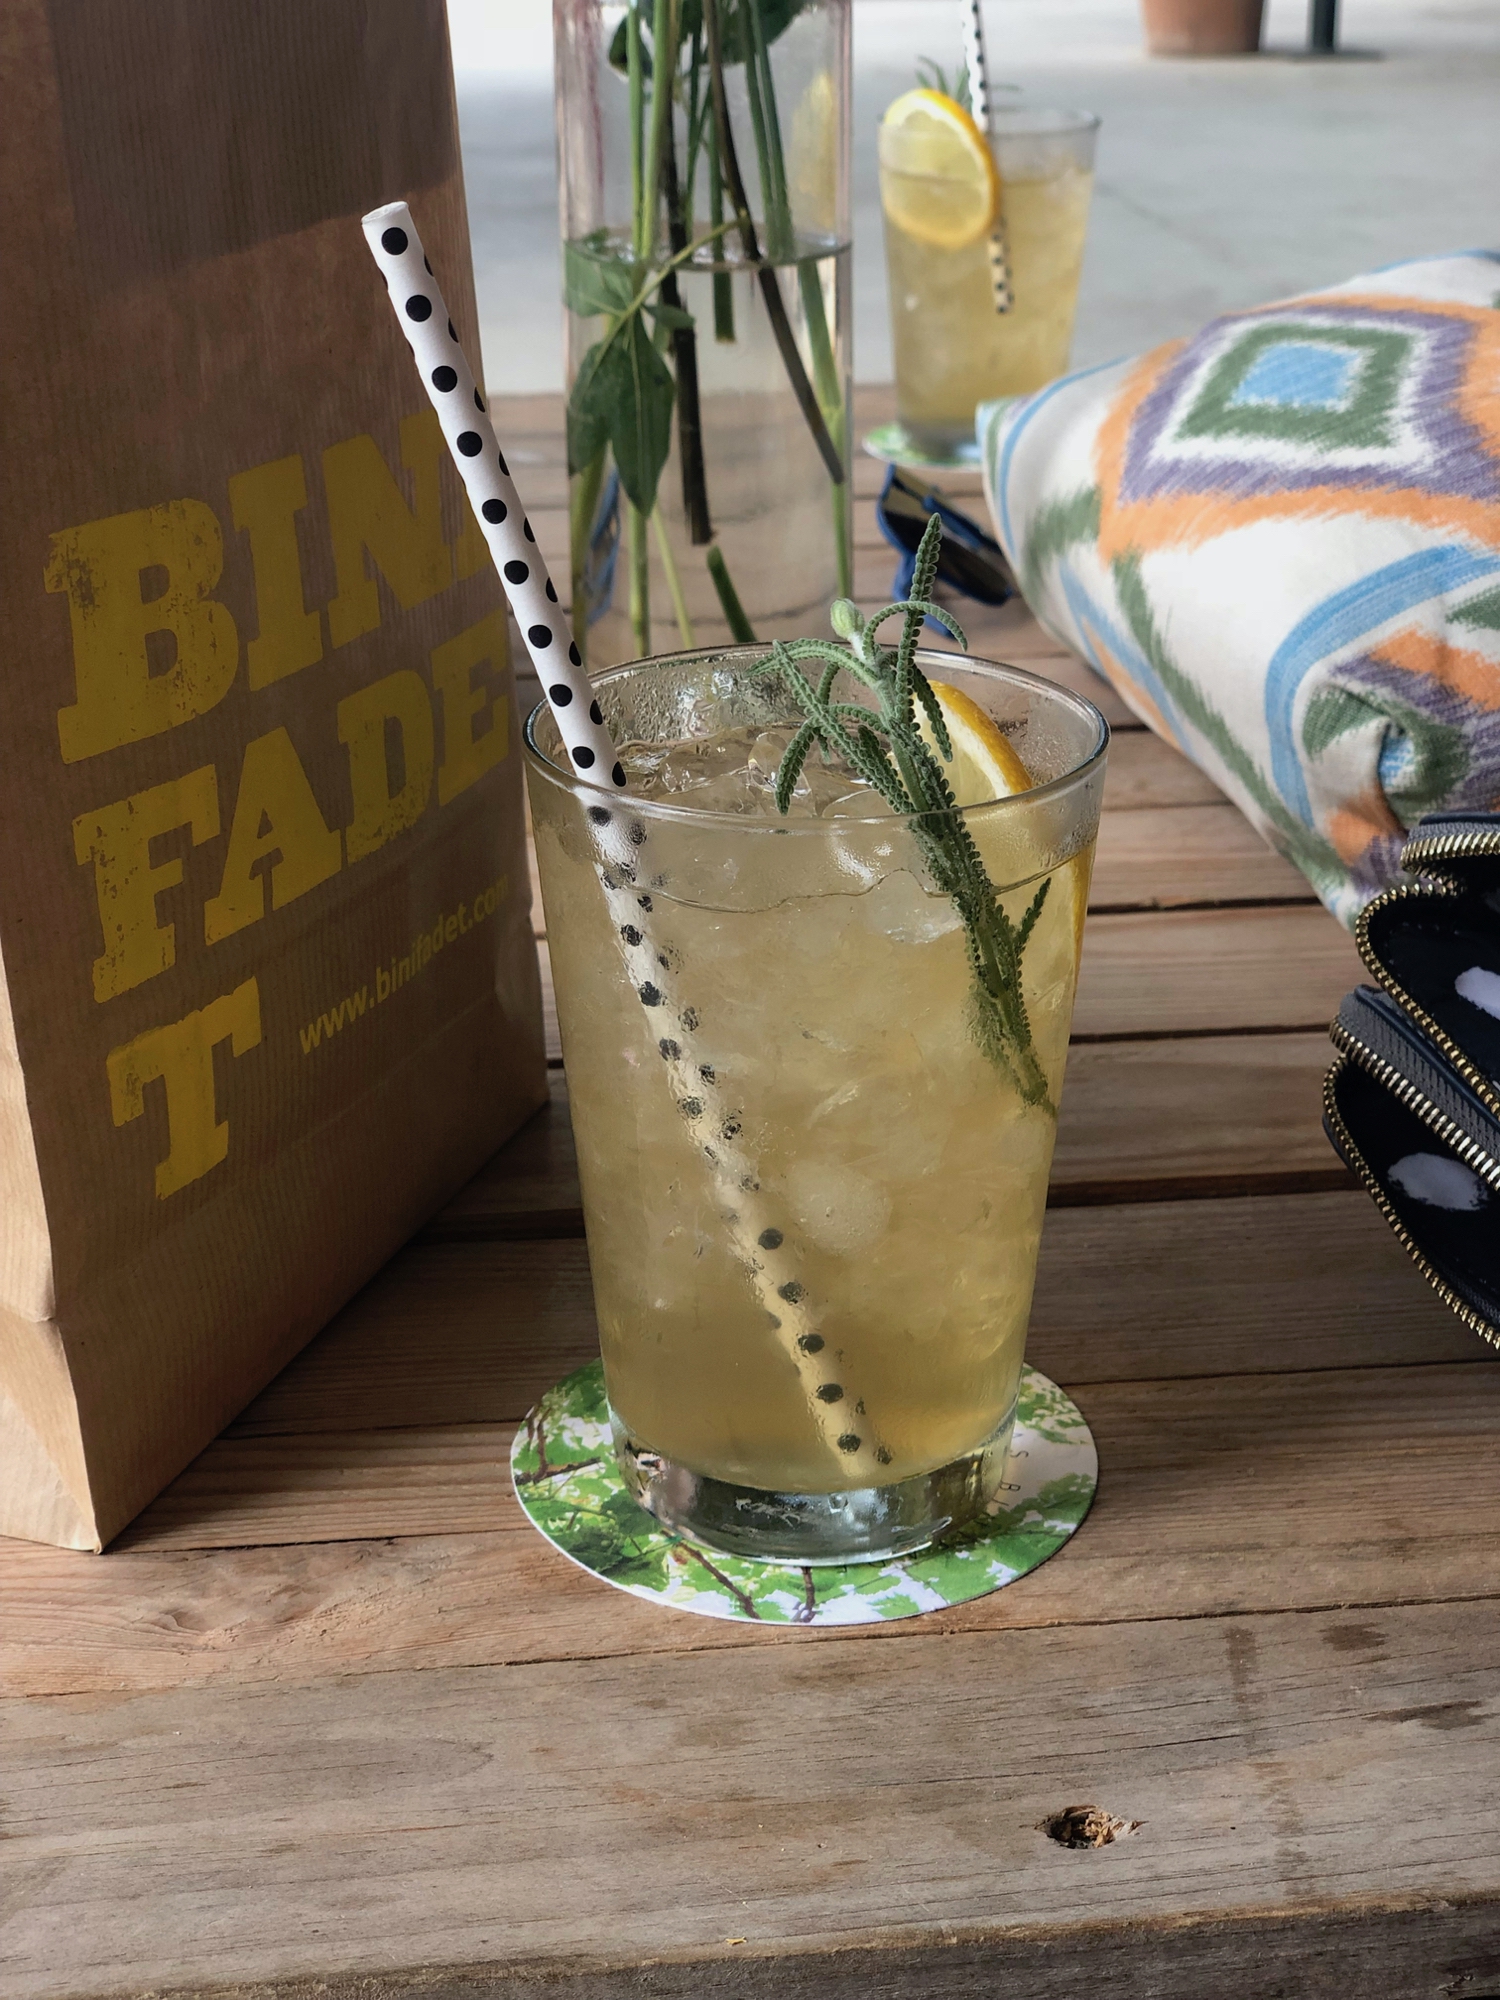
{"x":1212,"y":1116}
{"x":1143,"y":771}
{"x":877,"y":1796}
{"x":1158,"y":857}
{"x":551,"y":1034}
{"x":454,"y":1333}
{"x":473,"y":1332}
{"x":1190,"y":971}
{"x":541,"y":478}
{"x":1418,"y":1948}
{"x":1203,"y":1464}
{"x":529,"y":1188}
{"x":1201,"y":1479}
{"x":551,"y":527}
{"x":468,"y":1336}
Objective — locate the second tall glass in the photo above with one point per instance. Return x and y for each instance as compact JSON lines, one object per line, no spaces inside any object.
{"x":952,"y":349}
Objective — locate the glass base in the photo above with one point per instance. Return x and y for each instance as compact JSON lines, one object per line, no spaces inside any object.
{"x":866,"y":1524}
{"x":933,"y":451}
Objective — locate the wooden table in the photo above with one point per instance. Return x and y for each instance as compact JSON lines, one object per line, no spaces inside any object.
{"x":332,"y":1719}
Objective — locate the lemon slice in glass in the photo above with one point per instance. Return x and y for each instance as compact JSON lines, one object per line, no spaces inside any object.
{"x":938,"y":181}
{"x":985,"y":766}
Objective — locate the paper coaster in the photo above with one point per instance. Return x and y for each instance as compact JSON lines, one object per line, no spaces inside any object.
{"x":895,"y":444}
{"x":563,"y":1466}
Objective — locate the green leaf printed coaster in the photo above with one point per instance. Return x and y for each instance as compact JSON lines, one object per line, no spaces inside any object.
{"x":566,"y":1479}
{"x":895,"y":444}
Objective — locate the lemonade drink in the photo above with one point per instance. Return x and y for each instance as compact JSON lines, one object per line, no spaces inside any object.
{"x":826,"y":986}
{"x":952,"y":349}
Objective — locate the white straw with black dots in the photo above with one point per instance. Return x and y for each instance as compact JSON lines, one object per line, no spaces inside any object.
{"x":418,"y":303}
{"x":979,"y":98}
{"x":417,"y":300}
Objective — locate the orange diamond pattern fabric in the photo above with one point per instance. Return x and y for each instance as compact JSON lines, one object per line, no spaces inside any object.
{"x":1280,"y":541}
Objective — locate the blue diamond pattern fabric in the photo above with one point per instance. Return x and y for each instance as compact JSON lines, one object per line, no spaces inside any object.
{"x":1300,"y":374}
{"x":1280,"y":541}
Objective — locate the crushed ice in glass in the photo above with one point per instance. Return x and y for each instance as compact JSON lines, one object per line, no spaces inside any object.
{"x":734,"y":771}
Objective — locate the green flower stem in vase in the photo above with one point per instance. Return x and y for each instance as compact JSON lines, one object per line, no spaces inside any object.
{"x":703,"y":146}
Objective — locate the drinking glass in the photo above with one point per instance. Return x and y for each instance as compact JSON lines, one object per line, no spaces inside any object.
{"x":952,"y":349}
{"x":854,"y":1179}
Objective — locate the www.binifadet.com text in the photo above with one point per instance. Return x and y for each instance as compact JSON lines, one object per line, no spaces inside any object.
{"x":389,"y":979}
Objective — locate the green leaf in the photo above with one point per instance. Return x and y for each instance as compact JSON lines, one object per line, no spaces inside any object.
{"x":670,"y":316}
{"x":589,"y":408}
{"x":922,"y":689}
{"x":579,"y":1396}
{"x":1033,"y":910}
{"x":638,"y":391}
{"x":776,"y":17}
{"x":619,"y":47}
{"x":594,"y":284}
{"x":791,"y":763}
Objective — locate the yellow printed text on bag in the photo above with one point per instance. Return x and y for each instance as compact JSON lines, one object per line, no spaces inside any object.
{"x":154,"y":647}
{"x":181,"y":1056}
{"x":276,"y":817}
{"x":150,"y":576}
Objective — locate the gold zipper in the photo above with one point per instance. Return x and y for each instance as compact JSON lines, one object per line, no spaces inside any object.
{"x":1481,"y":1085}
{"x":1447,"y":847}
{"x":1475,"y":1322}
{"x":1409,"y":1094}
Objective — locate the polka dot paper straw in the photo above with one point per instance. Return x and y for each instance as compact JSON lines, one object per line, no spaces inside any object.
{"x":979,"y":97}
{"x":698,"y":1090}
{"x":418,"y":303}
{"x":701,"y":1093}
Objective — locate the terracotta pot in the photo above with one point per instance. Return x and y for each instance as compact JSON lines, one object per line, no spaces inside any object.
{"x":1202,"y":27}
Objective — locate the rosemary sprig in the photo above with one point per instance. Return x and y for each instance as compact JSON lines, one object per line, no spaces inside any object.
{"x":886,"y":747}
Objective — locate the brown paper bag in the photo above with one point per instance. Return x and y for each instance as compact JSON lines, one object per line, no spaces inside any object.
{"x":269,"y":993}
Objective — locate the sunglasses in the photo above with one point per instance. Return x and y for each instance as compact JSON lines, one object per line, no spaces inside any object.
{"x":972,"y":562}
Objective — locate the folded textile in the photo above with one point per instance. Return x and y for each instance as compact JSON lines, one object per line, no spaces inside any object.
{"x":1280,"y":541}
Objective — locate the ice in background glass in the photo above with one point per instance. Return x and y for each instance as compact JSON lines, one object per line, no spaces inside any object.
{"x":829,"y":984}
{"x":952,"y":349}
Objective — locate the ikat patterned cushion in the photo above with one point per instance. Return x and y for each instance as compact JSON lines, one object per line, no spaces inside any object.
{"x":1280,"y":541}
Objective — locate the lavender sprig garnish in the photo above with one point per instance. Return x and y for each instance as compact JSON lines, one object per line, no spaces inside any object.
{"x":885,"y":745}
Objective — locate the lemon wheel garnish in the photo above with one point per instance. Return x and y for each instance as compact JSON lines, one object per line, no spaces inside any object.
{"x":985,"y":764}
{"x":938,"y":181}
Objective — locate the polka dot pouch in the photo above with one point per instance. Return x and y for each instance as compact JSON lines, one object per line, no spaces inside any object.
{"x":1412,"y":1102}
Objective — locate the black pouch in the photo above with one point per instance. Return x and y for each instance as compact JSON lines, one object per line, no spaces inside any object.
{"x":1412,"y":1103}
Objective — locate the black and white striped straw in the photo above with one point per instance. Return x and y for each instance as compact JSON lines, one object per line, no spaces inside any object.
{"x":981,"y":100}
{"x":697,"y":1086}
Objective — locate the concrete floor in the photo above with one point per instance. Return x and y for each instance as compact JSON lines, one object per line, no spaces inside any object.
{"x":1220,"y":183}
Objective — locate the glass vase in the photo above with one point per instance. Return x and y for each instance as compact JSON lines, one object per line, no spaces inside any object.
{"x":707,"y":317}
